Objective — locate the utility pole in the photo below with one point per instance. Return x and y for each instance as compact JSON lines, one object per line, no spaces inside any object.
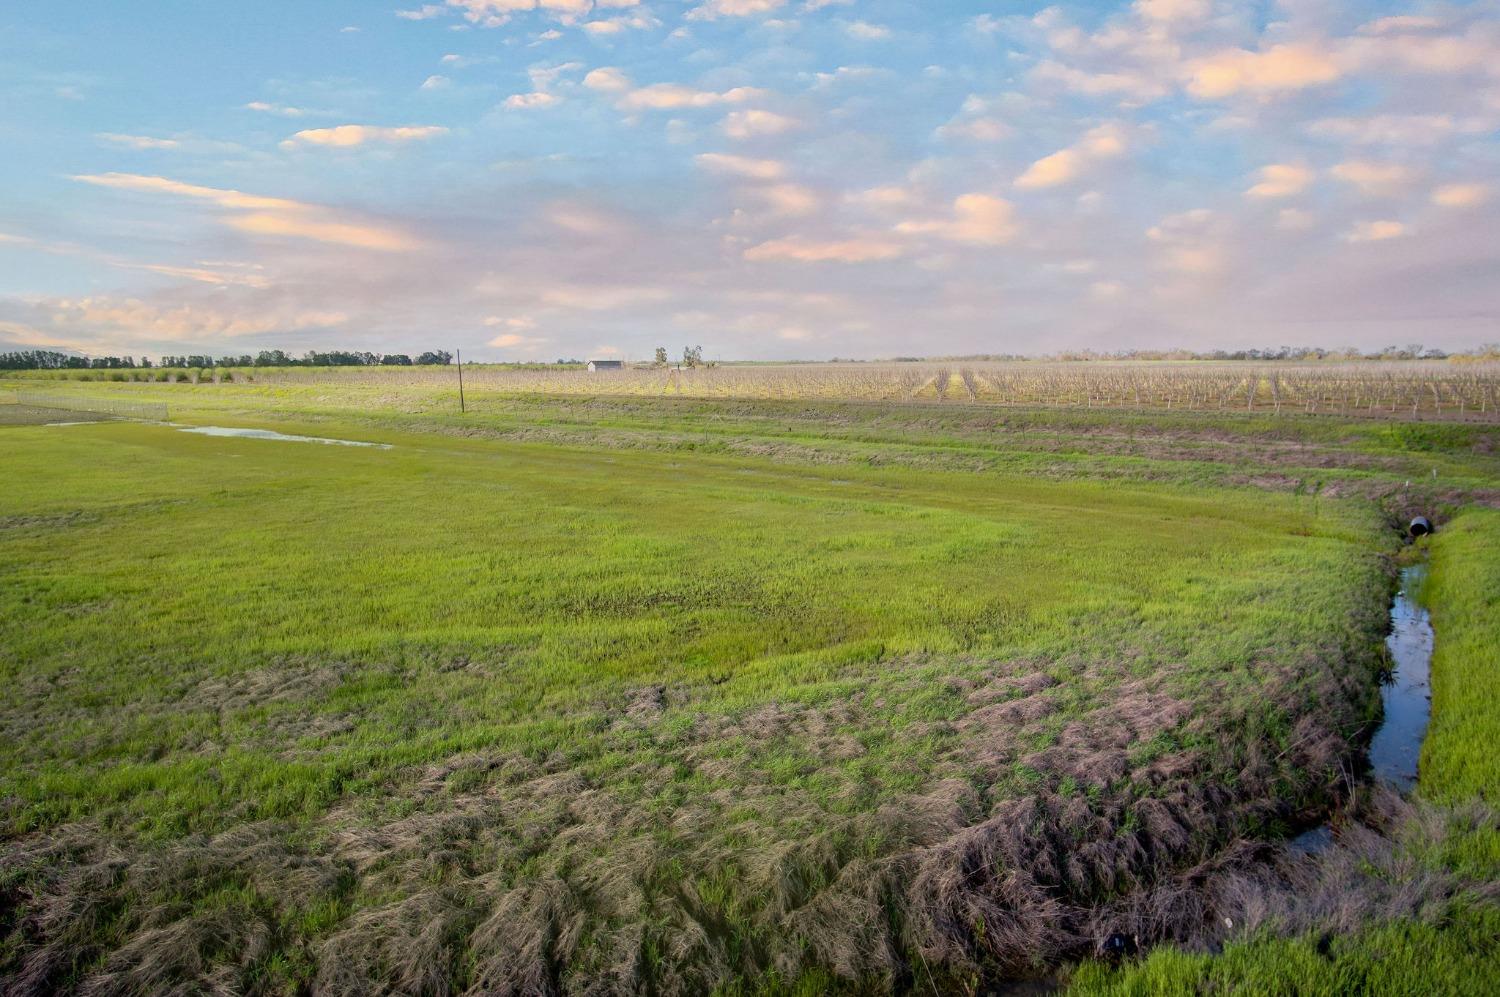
{"x":460,"y":355}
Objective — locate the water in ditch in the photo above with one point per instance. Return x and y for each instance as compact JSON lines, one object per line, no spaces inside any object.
{"x":1406,"y":697}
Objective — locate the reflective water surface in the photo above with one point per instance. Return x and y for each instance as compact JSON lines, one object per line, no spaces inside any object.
{"x":267,"y":434}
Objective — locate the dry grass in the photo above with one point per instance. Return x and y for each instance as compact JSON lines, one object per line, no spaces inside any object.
{"x":519,"y":875}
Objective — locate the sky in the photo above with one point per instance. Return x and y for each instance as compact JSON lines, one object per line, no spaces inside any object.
{"x":798,"y":179}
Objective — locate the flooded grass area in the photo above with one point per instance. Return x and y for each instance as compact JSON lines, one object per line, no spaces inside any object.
{"x":34,"y":415}
{"x":270,"y":434}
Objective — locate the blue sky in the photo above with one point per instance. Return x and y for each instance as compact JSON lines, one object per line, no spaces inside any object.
{"x":768,"y":178}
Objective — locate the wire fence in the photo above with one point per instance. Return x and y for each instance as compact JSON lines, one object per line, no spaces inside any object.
{"x":150,"y":411}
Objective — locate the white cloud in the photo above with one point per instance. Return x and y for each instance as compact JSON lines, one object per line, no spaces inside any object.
{"x":1294,"y":220}
{"x":885,"y":198}
{"x":1172,"y":10}
{"x":141,"y":142}
{"x":1372,"y":178}
{"x":742,"y":166}
{"x":714,"y":9}
{"x":531,"y":101}
{"x":866,"y":32}
{"x":281,"y":109}
{"x":270,"y":216}
{"x":351,"y":136}
{"x":788,"y":199}
{"x":1399,"y":129}
{"x":1276,"y":69}
{"x":1461,"y":195}
{"x":103,"y":315}
{"x":797,"y":249}
{"x":424,"y":13}
{"x":1121,"y":82}
{"x":1282,"y":180}
{"x":1105,"y":142}
{"x":976,"y":130}
{"x":608,"y":79}
{"x":977,"y":220}
{"x":1375,"y":231}
{"x":1192,"y":242}
{"x":742,"y":125}
{"x":672,"y":96}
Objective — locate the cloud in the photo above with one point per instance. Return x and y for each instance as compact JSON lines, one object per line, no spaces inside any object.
{"x":512,"y":340}
{"x":273,"y":216}
{"x":1282,"y":180}
{"x":223,"y":198}
{"x":616,"y":25}
{"x":319,"y":230}
{"x":516,"y":338}
{"x":1398,"y":129}
{"x":866,"y":32}
{"x":789,"y":199}
{"x":743,"y":125}
{"x":602,"y":297}
{"x":201,"y":274}
{"x":799,"y":250}
{"x":435,"y":82}
{"x":1172,"y":11}
{"x":532,"y":101}
{"x":978,"y":220}
{"x":608,"y":79}
{"x":281,"y":109}
{"x":884,"y":198}
{"x":1375,"y":231}
{"x":1104,"y":142}
{"x":1371,"y":178}
{"x":103,"y":315}
{"x":1294,"y":220}
{"x":743,"y":166}
{"x":1461,"y":195}
{"x":714,"y":9}
{"x":1274,"y":70}
{"x":495,"y":13}
{"x":350,"y":136}
{"x":1120,"y":82}
{"x":976,"y":130}
{"x":673,"y":96}
{"x":423,"y":13}
{"x":220,"y":274}
{"x":141,"y":142}
{"x":1192,"y":242}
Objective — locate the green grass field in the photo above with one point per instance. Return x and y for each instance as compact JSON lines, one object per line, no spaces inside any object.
{"x":671,"y":697}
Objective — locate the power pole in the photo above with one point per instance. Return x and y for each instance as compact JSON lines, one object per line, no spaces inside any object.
{"x":460,"y":355}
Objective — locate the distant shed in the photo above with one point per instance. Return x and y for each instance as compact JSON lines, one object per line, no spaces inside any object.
{"x":606,"y":365}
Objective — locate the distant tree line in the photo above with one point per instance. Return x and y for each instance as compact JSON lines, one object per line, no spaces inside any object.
{"x":53,"y":360}
{"x":1413,"y":351}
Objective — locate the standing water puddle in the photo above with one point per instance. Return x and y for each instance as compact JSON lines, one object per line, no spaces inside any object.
{"x":267,"y":434}
{"x":1406,"y":697}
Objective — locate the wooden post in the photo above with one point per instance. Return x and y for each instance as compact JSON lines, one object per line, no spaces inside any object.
{"x":460,"y":355}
